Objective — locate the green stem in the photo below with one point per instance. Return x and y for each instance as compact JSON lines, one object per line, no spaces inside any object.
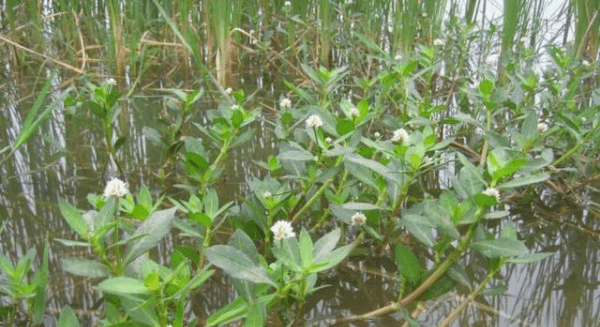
{"x":317,"y":195}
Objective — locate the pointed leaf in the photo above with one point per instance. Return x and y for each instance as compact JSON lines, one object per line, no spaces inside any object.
{"x":74,"y":218}
{"x":85,"y":267}
{"x":500,"y":248}
{"x":236,"y":264}
{"x":154,"y":229}
{"x":123,"y":286}
{"x":68,"y":318}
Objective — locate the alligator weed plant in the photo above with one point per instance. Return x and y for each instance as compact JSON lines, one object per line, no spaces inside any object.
{"x":419,"y":162}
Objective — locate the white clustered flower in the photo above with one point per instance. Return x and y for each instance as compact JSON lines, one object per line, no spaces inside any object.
{"x":328,"y":139}
{"x":398,"y":57}
{"x":285,"y":103}
{"x":228,"y":90}
{"x":400,"y":135}
{"x":282,"y":229}
{"x":267,"y":195}
{"x":111,"y":81}
{"x":438,"y":42}
{"x":116,"y":187}
{"x":359,"y":219}
{"x":377,"y":135}
{"x":492,"y":192}
{"x":287,"y":3}
{"x":586,"y":63}
{"x":354,"y":112}
{"x":235,"y":107}
{"x":542,"y":127}
{"x":314,"y":121}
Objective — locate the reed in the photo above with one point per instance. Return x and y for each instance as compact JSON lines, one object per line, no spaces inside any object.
{"x":587,"y":29}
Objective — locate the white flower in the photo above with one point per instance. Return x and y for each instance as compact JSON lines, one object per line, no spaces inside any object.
{"x":438,"y":42}
{"x":359,"y":219}
{"x":377,"y":135}
{"x":398,"y":57}
{"x":252,"y":32}
{"x":228,"y":90}
{"x":354,"y":112}
{"x":400,"y":135}
{"x":267,"y":195}
{"x":442,"y":73}
{"x":524,"y":39}
{"x":328,"y":140}
{"x":492,"y":192}
{"x":586,"y":63}
{"x":111,"y":81}
{"x":282,"y":229}
{"x":537,"y":72}
{"x":235,"y":107}
{"x":314,"y":121}
{"x":285,"y":103}
{"x":287,"y":3}
{"x":542,"y":127}
{"x":116,"y":187}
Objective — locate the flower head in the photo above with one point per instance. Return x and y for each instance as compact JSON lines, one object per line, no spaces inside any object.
{"x":354,"y":112}
{"x":398,"y":57}
{"x":267,"y":195}
{"x":111,"y":81}
{"x":328,"y":140}
{"x":228,"y":90}
{"x":492,"y":192}
{"x":282,"y":229}
{"x":542,"y":127}
{"x":116,"y":187}
{"x":400,"y":135}
{"x":235,"y":107}
{"x":285,"y":103}
{"x":359,"y":218}
{"x":438,"y":42}
{"x":314,"y":121}
{"x":377,"y":135}
{"x":287,"y":3}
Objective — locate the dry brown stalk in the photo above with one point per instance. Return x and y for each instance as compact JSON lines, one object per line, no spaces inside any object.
{"x":60,"y":63}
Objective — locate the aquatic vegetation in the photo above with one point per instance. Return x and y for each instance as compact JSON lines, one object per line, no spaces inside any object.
{"x":395,"y":140}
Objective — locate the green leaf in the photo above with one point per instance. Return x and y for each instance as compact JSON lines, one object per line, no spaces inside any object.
{"x":371,"y":164}
{"x":297,"y":155}
{"x":306,"y":248}
{"x":123,"y":286}
{"x":525,"y":180}
{"x":344,"y":126}
{"x":358,"y":206}
{"x":408,"y":264}
{"x":288,"y":252}
{"x":68,"y":318}
{"x":486,"y":86}
{"x":154,"y":229}
{"x":326,"y":244}
{"x":332,"y":259}
{"x":244,"y":243}
{"x":236,"y":264}
{"x":74,"y":219}
{"x":211,"y":203}
{"x":529,"y":258}
{"x":237,"y":118}
{"x":500,"y":248}
{"x":255,"y":316}
{"x":232,"y":311}
{"x":414,"y":225}
{"x":85,"y":267}
{"x":40,"y":280}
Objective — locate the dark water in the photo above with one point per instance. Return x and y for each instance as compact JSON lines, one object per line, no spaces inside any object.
{"x":559,"y":291}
